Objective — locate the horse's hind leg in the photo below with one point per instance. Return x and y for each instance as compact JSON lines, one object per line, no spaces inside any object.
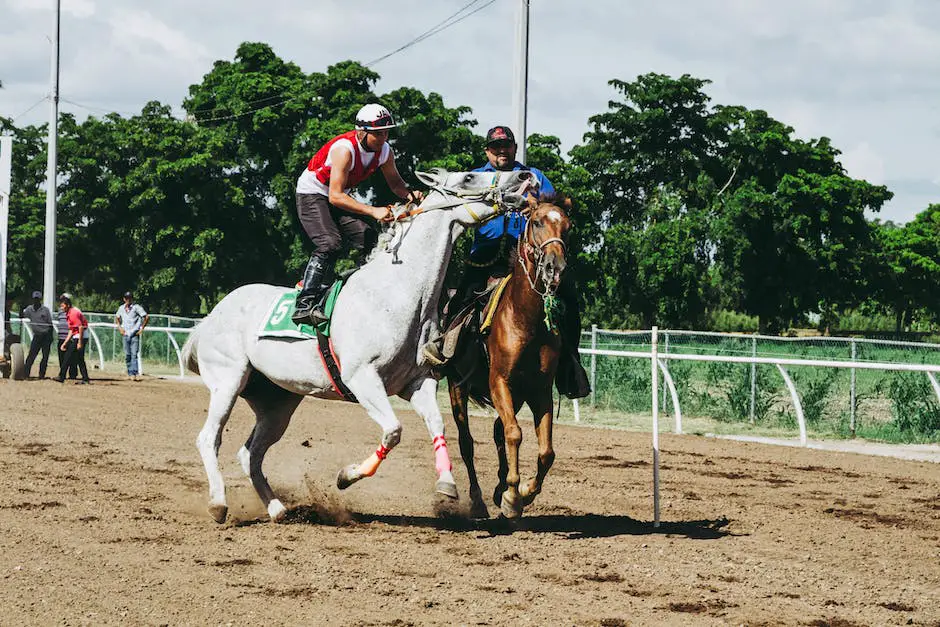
{"x":423,"y":397}
{"x":273,"y":407}
{"x":221,"y":401}
{"x":458,"y":405}
{"x":541,"y":406}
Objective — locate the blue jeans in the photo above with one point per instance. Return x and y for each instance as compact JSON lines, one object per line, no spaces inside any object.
{"x":131,"y":347}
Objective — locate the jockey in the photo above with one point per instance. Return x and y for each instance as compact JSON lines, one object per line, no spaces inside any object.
{"x":330,"y":215}
{"x":493,"y":253}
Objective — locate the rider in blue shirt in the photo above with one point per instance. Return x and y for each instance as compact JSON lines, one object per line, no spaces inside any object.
{"x":491,"y":236}
{"x":492,"y":254}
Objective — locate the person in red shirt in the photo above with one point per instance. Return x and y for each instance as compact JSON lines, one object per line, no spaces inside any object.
{"x":329,"y":215}
{"x":73,"y":346}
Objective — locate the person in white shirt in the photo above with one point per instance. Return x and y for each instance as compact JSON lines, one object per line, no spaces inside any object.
{"x":131,"y":320}
{"x":329,"y":215}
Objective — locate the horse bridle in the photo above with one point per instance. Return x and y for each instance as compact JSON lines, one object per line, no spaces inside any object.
{"x":538,"y":250}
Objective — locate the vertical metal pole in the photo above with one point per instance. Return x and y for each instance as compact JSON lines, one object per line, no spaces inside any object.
{"x":654,"y":359}
{"x":753,"y":380}
{"x":520,"y":82}
{"x":852,"y":393}
{"x":593,"y":365}
{"x":48,"y":292}
{"x":6,"y":164}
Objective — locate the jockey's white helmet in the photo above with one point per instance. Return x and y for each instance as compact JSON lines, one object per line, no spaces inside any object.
{"x":374,"y":117}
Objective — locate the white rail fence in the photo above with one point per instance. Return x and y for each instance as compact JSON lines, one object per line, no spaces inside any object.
{"x":659,"y":355}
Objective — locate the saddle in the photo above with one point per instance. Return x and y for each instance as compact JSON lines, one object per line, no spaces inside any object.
{"x":467,"y":328}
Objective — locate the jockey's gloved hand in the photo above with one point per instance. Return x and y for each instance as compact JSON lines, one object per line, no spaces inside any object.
{"x":415,"y":196}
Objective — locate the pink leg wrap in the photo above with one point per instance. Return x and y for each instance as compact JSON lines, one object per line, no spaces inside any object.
{"x":441,"y":458}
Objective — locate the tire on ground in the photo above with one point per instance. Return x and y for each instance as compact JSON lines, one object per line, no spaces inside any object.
{"x":17,"y":362}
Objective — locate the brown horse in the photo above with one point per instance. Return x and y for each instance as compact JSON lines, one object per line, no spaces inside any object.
{"x":523,"y":347}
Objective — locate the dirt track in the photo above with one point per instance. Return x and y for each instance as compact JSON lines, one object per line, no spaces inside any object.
{"x":102,"y":521}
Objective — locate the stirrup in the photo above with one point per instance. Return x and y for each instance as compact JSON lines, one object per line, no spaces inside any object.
{"x":433,"y":353}
{"x":317,"y":316}
{"x":302,"y":316}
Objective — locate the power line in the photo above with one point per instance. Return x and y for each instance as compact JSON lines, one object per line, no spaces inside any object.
{"x":94,"y":109}
{"x":36,"y":104}
{"x":437,"y":28}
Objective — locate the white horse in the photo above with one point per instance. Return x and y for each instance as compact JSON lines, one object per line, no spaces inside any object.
{"x":383,"y":316}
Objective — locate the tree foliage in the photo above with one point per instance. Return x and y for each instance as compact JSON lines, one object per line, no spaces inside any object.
{"x":682,"y":208}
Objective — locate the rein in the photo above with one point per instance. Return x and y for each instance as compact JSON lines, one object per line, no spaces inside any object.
{"x":409,"y":210}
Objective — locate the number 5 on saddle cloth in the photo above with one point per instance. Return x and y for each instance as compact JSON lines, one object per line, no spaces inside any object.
{"x":278,"y":324}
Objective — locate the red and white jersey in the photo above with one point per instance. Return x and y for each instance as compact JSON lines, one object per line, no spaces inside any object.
{"x":315,"y":179}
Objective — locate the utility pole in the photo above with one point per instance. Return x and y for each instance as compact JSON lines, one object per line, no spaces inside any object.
{"x":520,"y":81}
{"x":49,"y":257}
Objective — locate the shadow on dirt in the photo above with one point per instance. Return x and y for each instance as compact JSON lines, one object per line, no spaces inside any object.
{"x":578,"y":526}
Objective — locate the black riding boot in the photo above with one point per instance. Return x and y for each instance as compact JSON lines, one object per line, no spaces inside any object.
{"x":318,"y":276}
{"x":571,"y":378}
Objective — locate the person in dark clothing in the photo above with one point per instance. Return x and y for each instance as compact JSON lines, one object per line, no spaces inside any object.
{"x":62,"y":327}
{"x":40,"y":322}
{"x":74,"y":344}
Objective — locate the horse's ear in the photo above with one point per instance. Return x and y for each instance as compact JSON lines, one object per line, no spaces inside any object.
{"x":430,"y":178}
{"x":531,"y":203}
{"x":566,"y":203}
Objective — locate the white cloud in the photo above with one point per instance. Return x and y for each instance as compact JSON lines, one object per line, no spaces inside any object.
{"x":860,"y":72}
{"x":140,"y":33}
{"x":78,"y":8}
{"x":862,"y":162}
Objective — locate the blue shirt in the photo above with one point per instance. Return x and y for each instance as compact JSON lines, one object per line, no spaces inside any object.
{"x":511,"y":224}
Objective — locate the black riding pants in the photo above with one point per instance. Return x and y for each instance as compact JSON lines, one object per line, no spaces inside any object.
{"x":41,"y":342}
{"x":329,"y":227}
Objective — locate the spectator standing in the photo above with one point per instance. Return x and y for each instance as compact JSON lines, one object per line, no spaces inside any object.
{"x":62,"y":326}
{"x":74,"y":345}
{"x":40,"y":321}
{"x":131,"y":319}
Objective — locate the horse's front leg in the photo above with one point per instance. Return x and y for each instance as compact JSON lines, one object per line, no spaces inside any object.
{"x":369,"y":389}
{"x":458,"y":405}
{"x":423,"y":397}
{"x":511,"y":502}
{"x":542,"y":411}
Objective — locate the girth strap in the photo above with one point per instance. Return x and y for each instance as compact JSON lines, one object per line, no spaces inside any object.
{"x":331,"y":363}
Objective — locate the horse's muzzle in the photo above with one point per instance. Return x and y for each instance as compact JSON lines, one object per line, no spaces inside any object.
{"x":552,"y":266}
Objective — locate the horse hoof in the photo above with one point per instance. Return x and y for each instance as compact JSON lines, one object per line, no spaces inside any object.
{"x":348,"y":476}
{"x":218,"y":513}
{"x":478,"y":509}
{"x":528,"y":494}
{"x":447,"y":488}
{"x":277,"y":511}
{"x":510,"y":508}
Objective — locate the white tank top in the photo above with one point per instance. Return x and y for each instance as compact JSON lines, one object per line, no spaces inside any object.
{"x":308,"y":183}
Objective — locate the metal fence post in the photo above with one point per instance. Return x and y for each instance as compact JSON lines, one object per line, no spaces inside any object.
{"x":593,"y":365}
{"x":753,"y":380}
{"x":654,"y":357}
{"x":852,"y":393}
{"x":662,"y":387}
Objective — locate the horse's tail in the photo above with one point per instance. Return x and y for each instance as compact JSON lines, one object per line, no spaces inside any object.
{"x":190,"y":356}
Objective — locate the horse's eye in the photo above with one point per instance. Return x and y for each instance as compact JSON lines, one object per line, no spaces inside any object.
{"x":537,"y":224}
{"x":469,"y":178}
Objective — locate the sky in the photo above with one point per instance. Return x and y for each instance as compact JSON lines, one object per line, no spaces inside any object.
{"x":865,"y":73}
